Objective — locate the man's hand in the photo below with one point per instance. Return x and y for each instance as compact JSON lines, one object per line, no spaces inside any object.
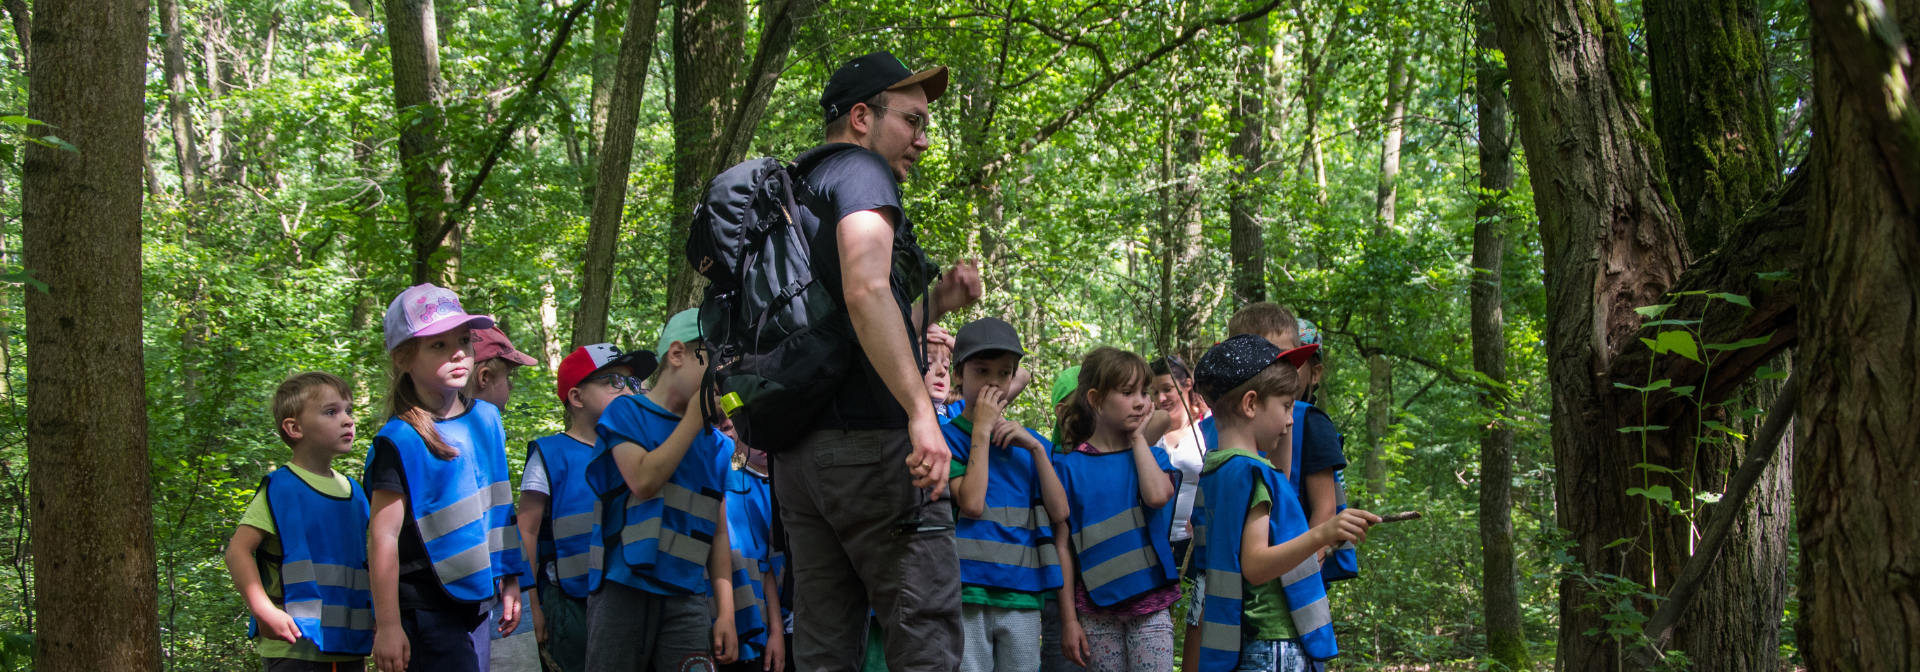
{"x":277,"y":625}
{"x":958,"y":288}
{"x":931,"y":460}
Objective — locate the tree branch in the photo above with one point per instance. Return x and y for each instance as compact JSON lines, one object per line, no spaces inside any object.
{"x":505,"y":139}
{"x":1106,"y":84}
{"x":1759,"y":454}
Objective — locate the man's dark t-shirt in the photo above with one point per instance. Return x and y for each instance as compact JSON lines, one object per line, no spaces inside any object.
{"x":850,"y":181}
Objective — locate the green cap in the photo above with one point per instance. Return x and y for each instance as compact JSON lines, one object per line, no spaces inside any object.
{"x":683,"y":327}
{"x":1064,"y":383}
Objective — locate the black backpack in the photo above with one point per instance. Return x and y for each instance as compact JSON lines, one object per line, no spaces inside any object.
{"x":779,"y":346}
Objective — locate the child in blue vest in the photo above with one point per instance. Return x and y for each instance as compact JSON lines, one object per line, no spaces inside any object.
{"x":441,"y":546}
{"x":556,"y":506}
{"x":1120,"y":574}
{"x":299,"y":555}
{"x":491,"y":381}
{"x":1265,"y":605}
{"x":660,"y":472}
{"x":1009,"y":500}
{"x":756,"y":565}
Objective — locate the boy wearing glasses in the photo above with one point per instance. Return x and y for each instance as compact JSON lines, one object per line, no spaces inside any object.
{"x":659,"y":470}
{"x":556,"y":506}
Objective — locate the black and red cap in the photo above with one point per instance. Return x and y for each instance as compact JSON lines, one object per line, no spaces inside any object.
{"x":1233,"y":362}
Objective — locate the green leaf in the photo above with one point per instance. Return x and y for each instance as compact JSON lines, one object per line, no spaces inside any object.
{"x":1652,"y":345}
{"x":1746,"y":343}
{"x":1767,"y":373}
{"x":1658,"y":493}
{"x":1615,"y":542}
{"x":1648,"y":428}
{"x":1671,"y":323}
{"x":1718,"y":427}
{"x":1656,"y":385}
{"x":1653,"y":311}
{"x":18,"y":120}
{"x":1678,"y":342}
{"x":1709,"y":497}
{"x":1732,"y":298}
{"x":1655,"y":468}
{"x":25,"y":276}
{"x":54,"y":142}
{"x":1685,"y":390}
{"x":1775,"y":276}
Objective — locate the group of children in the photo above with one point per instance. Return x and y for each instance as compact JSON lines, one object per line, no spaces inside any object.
{"x":1071,"y":545}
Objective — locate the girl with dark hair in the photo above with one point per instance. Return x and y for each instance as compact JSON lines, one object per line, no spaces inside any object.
{"x":1120,"y":490}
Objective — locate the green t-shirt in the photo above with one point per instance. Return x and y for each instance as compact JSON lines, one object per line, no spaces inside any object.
{"x":992,"y":597}
{"x":1264,"y":614}
{"x":260,"y":516}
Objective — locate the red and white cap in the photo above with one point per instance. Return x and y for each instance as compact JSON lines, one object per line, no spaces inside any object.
{"x":587,"y":360}
{"x":427,"y":310}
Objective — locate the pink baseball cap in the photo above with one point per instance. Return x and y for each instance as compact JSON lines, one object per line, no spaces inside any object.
{"x":427,"y":310}
{"x":491,"y":342}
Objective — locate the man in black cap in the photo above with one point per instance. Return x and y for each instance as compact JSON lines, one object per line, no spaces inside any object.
{"x":859,"y":496}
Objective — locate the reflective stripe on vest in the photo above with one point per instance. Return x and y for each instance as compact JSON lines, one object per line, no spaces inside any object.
{"x":463,"y":507}
{"x":1120,"y":545}
{"x":749,"y":607}
{"x":571,"y":510}
{"x":323,"y":562}
{"x":1010,"y":544}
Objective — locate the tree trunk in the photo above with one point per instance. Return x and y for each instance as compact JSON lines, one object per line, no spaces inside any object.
{"x":616,"y":158}
{"x":1246,"y":241}
{"x":1500,"y":590}
{"x":1855,"y":477}
{"x":606,"y":49}
{"x":780,"y":24}
{"x":211,"y":42}
{"x":417,"y":93}
{"x":1712,"y":108}
{"x":178,"y":115}
{"x":1313,"y":57}
{"x":22,"y":30}
{"x":1714,"y":114}
{"x":86,"y":417}
{"x":1386,"y":195}
{"x":1612,"y":243}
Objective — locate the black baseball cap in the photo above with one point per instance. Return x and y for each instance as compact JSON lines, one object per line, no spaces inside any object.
{"x":868,"y":75}
{"x":1233,"y":362}
{"x":985,"y":336}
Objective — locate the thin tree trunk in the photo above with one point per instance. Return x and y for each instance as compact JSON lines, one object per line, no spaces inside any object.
{"x":1855,"y":477}
{"x":179,"y":116}
{"x":1612,"y":243}
{"x":1386,"y":195}
{"x":1500,"y":590}
{"x":780,"y":23}
{"x":1192,"y":285}
{"x":1246,"y":239}
{"x":22,"y":30}
{"x":1312,"y":91}
{"x":607,"y":19}
{"x":616,"y":157}
{"x":214,"y":32}
{"x":93,"y":555}
{"x":550,"y":326}
{"x":417,"y":93}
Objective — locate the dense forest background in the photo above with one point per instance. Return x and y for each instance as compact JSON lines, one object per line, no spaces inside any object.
{"x":1128,"y":173}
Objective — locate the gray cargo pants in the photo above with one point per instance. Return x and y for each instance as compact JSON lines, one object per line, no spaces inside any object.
{"x":844,"y":496}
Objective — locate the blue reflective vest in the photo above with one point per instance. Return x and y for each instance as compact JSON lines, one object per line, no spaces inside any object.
{"x":1220,"y":512}
{"x":1120,"y":544}
{"x":463,"y":507}
{"x":566,"y":533}
{"x":1344,"y":562}
{"x":1010,"y":546}
{"x":669,"y":536}
{"x":749,"y":526}
{"x":323,"y":563}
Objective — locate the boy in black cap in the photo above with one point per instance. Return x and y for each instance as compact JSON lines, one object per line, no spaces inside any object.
{"x":857,"y":493}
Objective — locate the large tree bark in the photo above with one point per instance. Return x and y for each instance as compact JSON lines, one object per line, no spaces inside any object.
{"x":417,"y":95}
{"x":1856,"y":477}
{"x":1500,"y":590}
{"x":1712,"y":109}
{"x":1612,"y":243}
{"x":86,"y":416}
{"x":1246,"y":240}
{"x":178,"y":115}
{"x":1714,"y":115}
{"x":616,"y":158}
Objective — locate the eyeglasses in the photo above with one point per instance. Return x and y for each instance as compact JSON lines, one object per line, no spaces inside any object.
{"x":617,"y":381}
{"x":921,"y":122}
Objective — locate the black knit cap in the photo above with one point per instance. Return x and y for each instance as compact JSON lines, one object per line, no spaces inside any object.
{"x":868,"y":75}
{"x":1233,"y":362}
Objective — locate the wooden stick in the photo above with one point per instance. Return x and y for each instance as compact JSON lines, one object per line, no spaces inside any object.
{"x":1397,"y":517}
